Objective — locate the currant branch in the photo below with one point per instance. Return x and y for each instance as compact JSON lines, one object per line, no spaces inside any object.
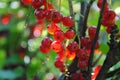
{"x":113,"y":55}
{"x":86,"y":17}
{"x":95,"y":40}
{"x":81,"y":19}
{"x":71,"y":8}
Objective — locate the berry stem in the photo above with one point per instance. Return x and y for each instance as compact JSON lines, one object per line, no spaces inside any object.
{"x":71,"y":8}
{"x":86,"y":17}
{"x":95,"y":40}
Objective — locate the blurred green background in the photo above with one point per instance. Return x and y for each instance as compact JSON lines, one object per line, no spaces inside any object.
{"x":20,"y":58}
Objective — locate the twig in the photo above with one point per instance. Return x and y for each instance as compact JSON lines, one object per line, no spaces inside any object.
{"x":82,"y":12}
{"x":113,"y":56}
{"x":112,"y":73}
{"x":86,"y":17}
{"x":95,"y":40}
{"x":71,"y":8}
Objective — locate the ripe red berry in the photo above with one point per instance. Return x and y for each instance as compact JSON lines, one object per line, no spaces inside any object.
{"x":108,"y":29}
{"x":56,"y":17}
{"x":100,"y":3}
{"x":37,"y":3}
{"x":109,"y":23}
{"x":70,"y":55}
{"x":59,"y":36}
{"x":5,"y":19}
{"x":77,"y":76}
{"x":109,"y":15}
{"x":46,"y":42}
{"x":96,"y":71}
{"x":48,"y":15}
{"x":26,"y":1}
{"x":68,"y":21}
{"x":57,"y":46}
{"x":59,"y":64}
{"x":91,"y":32}
{"x":82,"y":54}
{"x":84,"y":41}
{"x":69,"y":34}
{"x":52,"y":28}
{"x":73,"y":46}
{"x":44,"y":49}
{"x":39,"y":14}
{"x":82,"y":64}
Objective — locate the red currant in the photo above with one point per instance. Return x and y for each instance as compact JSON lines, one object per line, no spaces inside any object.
{"x":82,"y":54}
{"x":48,"y":15}
{"x":52,"y":28}
{"x":44,"y":49}
{"x":56,"y":17}
{"x":68,"y":21}
{"x":77,"y":76}
{"x":39,"y":14}
{"x":109,"y":15}
{"x":100,"y":3}
{"x":84,"y":41}
{"x":69,"y":34}
{"x":73,"y":46}
{"x":26,"y":1}
{"x":5,"y":19}
{"x":37,"y":3}
{"x":59,"y":35}
{"x":82,"y":64}
{"x":96,"y":71}
{"x":59,"y":64}
{"x":57,"y":46}
{"x":46,"y":42}
{"x":70,"y":55}
{"x":91,"y":32}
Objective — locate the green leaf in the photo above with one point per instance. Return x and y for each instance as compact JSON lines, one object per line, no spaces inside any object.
{"x":2,"y":58}
{"x":104,"y":48}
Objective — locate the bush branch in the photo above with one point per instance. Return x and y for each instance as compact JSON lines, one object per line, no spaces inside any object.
{"x":86,"y":17}
{"x":95,"y":40}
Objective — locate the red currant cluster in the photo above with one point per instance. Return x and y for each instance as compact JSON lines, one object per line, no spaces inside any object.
{"x":86,"y":43}
{"x":44,"y":11}
{"x":108,"y":19}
